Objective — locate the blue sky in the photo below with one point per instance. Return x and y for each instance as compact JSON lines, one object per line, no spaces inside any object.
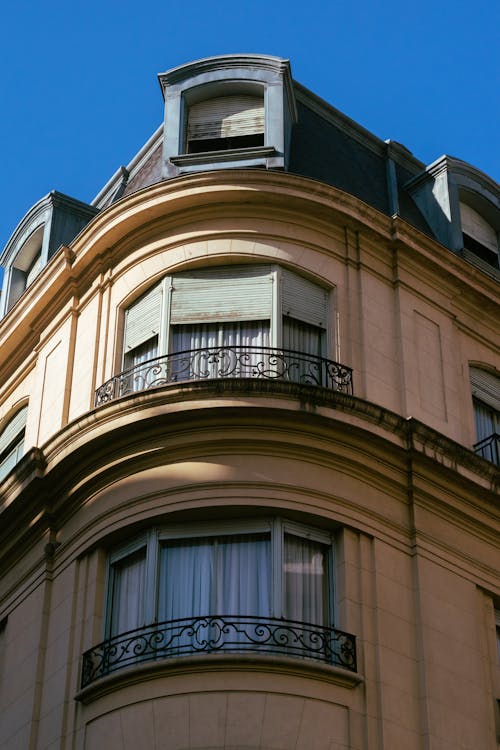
{"x":80,"y":94}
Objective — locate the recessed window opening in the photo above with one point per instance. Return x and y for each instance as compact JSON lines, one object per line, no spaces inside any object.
{"x":486,"y":405}
{"x":226,"y":122}
{"x":259,"y":570}
{"x":478,"y":235}
{"x":26,"y":266}
{"x":12,"y":442}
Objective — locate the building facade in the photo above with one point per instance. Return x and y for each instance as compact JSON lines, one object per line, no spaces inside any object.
{"x":249,"y":441}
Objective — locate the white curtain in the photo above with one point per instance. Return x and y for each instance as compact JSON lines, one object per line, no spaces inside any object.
{"x":484,"y":418}
{"x":128,"y":593}
{"x":240,"y":362}
{"x":302,"y":337}
{"x":186,"y":579}
{"x":142,"y":377}
{"x":141,"y":353}
{"x":305,"y":580}
{"x":208,"y":335}
{"x":244,"y":576}
{"x":215,"y":576}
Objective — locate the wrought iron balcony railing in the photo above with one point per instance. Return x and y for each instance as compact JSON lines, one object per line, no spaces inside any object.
{"x":216,"y":633}
{"x":489,"y":448}
{"x":227,"y":362}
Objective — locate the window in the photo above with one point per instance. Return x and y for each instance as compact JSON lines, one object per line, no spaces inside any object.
{"x":12,"y":442}
{"x":478,"y":235}
{"x":225,"y":122}
{"x":26,"y":266}
{"x":234,"y":321}
{"x":486,"y":403}
{"x":497,"y":629}
{"x":262,"y":586}
{"x":268,"y":569}
{"x":232,"y":111}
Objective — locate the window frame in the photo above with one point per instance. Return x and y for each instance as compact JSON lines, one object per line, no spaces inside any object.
{"x":279,"y":277}
{"x":16,"y":443}
{"x":485,"y":391}
{"x":276,"y":527}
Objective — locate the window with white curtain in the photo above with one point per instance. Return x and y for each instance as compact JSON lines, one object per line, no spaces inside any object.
{"x":12,"y":442}
{"x":486,"y":404}
{"x":248,"y":307}
{"x":265,"y":569}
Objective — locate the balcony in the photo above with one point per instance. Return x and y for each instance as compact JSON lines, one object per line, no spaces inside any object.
{"x":219,"y":633}
{"x":489,"y":448}
{"x":227,"y":362}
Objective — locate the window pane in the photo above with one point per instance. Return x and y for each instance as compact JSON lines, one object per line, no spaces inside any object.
{"x":226,"y":576}
{"x":240,"y":362}
{"x":484,"y":418}
{"x":205,"y":335}
{"x":186,"y":579}
{"x":302,"y":337}
{"x":128,"y":577}
{"x":305,"y":580}
{"x":244,"y":576}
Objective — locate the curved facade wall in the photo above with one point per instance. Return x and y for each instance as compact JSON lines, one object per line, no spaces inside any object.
{"x":374,"y":479}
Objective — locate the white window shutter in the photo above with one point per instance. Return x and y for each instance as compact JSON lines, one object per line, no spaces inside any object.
{"x":226,"y":116}
{"x":13,"y":429}
{"x":303,"y":300}
{"x":222,"y":294}
{"x":142,"y":319}
{"x":485,"y":386}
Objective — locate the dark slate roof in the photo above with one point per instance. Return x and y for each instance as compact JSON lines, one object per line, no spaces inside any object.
{"x":323,"y":151}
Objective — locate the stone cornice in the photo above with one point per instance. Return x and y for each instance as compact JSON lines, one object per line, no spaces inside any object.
{"x":440,"y":453}
{"x":227,"y":63}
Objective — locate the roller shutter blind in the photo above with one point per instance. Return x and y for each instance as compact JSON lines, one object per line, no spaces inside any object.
{"x":303,"y":299}
{"x":222,"y":294}
{"x":225,"y":117}
{"x":13,"y":429}
{"x":478,"y":228}
{"x":142,"y":319}
{"x":485,"y":387}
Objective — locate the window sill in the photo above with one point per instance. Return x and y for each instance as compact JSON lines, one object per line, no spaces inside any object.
{"x":235,"y":157}
{"x":201,"y":664}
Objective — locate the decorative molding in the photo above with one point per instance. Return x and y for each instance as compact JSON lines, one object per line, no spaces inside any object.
{"x":210,"y":663}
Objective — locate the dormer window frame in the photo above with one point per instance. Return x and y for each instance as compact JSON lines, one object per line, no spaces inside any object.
{"x":218,"y":78}
{"x":486,"y":251}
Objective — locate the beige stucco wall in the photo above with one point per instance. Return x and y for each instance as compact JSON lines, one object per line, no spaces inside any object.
{"x":415,"y":525}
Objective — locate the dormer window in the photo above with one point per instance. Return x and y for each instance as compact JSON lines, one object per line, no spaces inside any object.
{"x":233,"y":111}
{"x":479,"y":236}
{"x":26,"y":267}
{"x":225,"y":122}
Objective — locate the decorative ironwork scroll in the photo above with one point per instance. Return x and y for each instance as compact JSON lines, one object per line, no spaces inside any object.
{"x":228,"y":362}
{"x":219,"y":633}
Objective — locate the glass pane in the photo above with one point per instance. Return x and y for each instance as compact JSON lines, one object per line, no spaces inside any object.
{"x":186,"y":579}
{"x":305,"y":580}
{"x":244,"y":576}
{"x":127,"y":607}
{"x":241,"y":343}
{"x":302,"y":337}
{"x":306,"y":340}
{"x":484,"y":418}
